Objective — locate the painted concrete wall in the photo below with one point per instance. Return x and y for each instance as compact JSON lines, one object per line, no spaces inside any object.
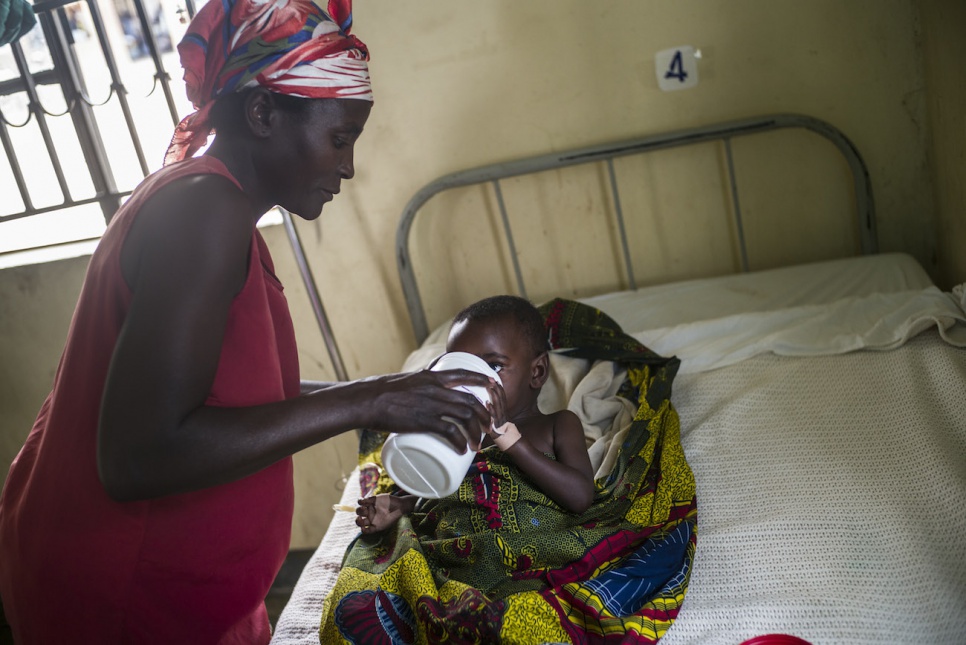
{"x":944,"y":46}
{"x":36,"y":304}
{"x":462,"y":84}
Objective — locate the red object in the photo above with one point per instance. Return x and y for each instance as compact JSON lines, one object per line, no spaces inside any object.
{"x":776,"y":639}
{"x":78,"y":567}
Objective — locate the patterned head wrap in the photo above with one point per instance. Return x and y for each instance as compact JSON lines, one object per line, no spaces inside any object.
{"x":291,"y":47}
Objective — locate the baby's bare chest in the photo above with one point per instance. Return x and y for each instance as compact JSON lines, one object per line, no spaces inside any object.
{"x":539,"y":432}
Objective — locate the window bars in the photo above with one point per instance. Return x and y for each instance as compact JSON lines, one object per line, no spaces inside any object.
{"x":55,"y":34}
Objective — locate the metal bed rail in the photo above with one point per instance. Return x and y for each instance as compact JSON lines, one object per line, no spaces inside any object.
{"x":724,"y":132}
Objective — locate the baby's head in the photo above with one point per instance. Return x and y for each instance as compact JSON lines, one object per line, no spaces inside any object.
{"x":509,"y":334}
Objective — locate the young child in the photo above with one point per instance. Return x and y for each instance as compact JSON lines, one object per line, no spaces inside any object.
{"x":509,"y":334}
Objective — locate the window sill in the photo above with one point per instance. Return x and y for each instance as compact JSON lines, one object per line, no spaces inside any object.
{"x":69,"y":250}
{"x":46,"y":254}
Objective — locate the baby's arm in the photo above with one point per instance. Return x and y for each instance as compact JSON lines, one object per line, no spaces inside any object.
{"x":375,"y":514}
{"x":569,"y":480}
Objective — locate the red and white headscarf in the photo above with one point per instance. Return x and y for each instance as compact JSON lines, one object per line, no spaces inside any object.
{"x":291,"y":47}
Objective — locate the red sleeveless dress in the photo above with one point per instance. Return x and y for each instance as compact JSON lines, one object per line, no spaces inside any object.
{"x":78,"y":567}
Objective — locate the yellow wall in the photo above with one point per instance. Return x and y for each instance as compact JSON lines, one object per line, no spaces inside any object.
{"x":36,"y":303}
{"x":944,"y":47}
{"x":461,"y":84}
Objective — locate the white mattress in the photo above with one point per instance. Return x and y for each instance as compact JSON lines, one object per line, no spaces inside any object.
{"x":831,"y":497}
{"x":830,"y":481}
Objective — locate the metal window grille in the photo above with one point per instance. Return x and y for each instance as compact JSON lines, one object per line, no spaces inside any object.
{"x":44,"y":83}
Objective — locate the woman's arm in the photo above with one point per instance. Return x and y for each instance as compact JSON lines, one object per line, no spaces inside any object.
{"x":156,"y":436}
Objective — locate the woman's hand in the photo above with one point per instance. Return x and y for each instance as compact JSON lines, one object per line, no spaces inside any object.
{"x":425,"y":401}
{"x":497,"y":405}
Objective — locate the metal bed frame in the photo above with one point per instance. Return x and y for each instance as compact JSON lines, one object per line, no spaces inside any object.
{"x":723,"y":132}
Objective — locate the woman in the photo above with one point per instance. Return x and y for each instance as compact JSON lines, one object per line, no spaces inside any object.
{"x":152,"y":501}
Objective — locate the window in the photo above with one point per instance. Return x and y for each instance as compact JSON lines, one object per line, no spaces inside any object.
{"x":88,"y":106}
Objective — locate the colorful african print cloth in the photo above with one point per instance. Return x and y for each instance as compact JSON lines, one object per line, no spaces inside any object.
{"x":498,"y":561}
{"x":293,"y":47}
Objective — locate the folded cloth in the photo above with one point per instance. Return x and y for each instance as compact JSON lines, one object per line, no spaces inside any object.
{"x":16,"y":19}
{"x":498,"y":561}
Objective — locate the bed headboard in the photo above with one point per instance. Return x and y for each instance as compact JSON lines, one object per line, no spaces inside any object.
{"x":604,"y":156}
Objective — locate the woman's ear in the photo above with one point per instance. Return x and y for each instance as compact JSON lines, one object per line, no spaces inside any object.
{"x":259,"y":112}
{"x":539,"y":371}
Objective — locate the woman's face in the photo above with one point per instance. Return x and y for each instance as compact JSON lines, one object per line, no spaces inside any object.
{"x":499,"y":342}
{"x":314,"y":153}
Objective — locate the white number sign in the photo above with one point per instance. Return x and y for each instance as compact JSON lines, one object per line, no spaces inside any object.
{"x":676,"y":68}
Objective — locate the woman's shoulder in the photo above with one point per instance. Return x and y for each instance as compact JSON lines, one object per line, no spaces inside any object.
{"x":190,"y":216}
{"x":194,"y":192}
{"x":201,"y":203}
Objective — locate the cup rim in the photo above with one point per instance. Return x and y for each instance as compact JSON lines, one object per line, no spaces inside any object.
{"x":469,"y":361}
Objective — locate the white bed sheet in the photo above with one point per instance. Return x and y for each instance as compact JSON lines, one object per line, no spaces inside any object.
{"x":820,"y":512}
{"x":299,"y":621}
{"x":816,"y":283}
{"x":831,"y":483}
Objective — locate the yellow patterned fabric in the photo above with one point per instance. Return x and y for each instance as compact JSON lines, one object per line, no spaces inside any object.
{"x":498,"y":561}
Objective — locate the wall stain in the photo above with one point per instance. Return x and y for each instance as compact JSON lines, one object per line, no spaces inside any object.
{"x":914,"y":103}
{"x":27,"y":282}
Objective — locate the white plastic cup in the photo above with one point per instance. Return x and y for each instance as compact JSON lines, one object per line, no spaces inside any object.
{"x":424,"y":464}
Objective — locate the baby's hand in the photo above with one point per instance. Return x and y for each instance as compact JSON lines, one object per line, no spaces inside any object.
{"x":376,"y":514}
